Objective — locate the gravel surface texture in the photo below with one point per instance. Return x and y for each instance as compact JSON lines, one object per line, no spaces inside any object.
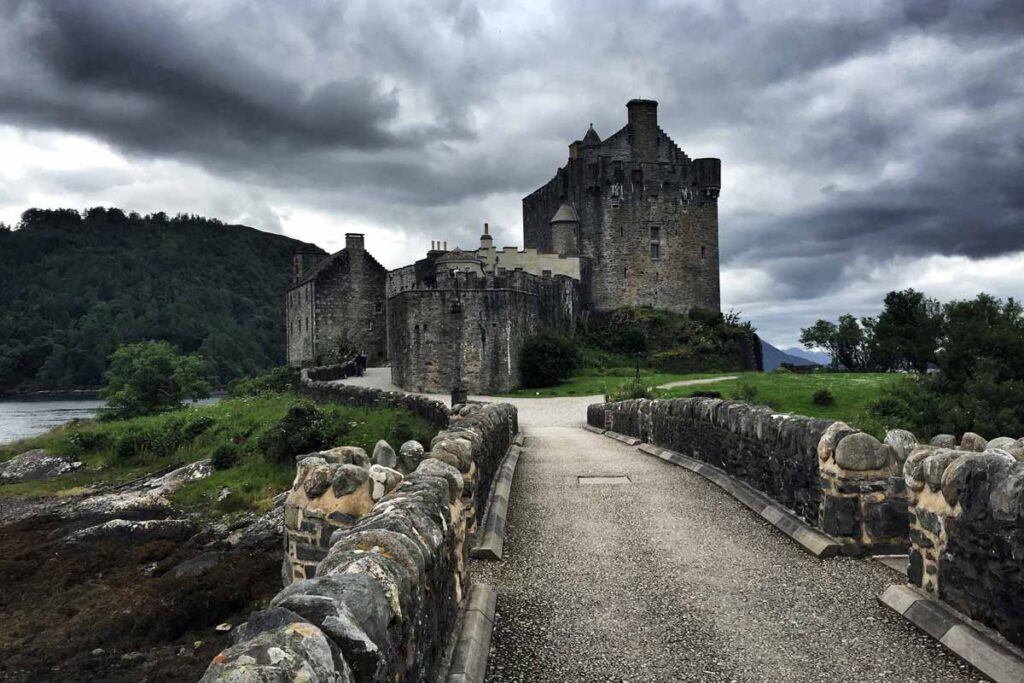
{"x":670,"y":579}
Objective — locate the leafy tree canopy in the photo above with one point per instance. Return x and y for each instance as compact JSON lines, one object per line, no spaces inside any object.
{"x":75,"y":287}
{"x":150,"y":377}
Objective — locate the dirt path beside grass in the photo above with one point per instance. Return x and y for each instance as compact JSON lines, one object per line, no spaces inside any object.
{"x":691,"y":382}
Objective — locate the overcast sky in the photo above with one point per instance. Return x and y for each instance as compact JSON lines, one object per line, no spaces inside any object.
{"x":866,"y":146}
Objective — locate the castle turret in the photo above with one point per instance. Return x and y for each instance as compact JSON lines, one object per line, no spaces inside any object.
{"x":709,"y":176}
{"x":486,"y":241}
{"x":565,"y":231}
{"x":643,"y":123}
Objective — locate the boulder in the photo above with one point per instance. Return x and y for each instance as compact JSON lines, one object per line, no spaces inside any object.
{"x":435,"y":467}
{"x":410,"y":455}
{"x":318,"y":480}
{"x":384,"y":455}
{"x":935,"y":466}
{"x":973,"y":442}
{"x":902,"y":441}
{"x":264,"y":620}
{"x":135,"y":531}
{"x":346,"y":455}
{"x":943,"y":441}
{"x":190,"y":569}
{"x":860,"y":452}
{"x":831,"y":438}
{"x":913,"y":467}
{"x":384,"y":480}
{"x":348,"y":478}
{"x":1004,"y":443}
{"x":296,"y":652}
{"x":35,"y":465}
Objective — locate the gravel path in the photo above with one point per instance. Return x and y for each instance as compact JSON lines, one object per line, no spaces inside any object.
{"x":669,"y":579}
{"x":691,"y":382}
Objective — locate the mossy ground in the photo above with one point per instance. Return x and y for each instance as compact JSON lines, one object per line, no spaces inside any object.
{"x":119,"y":451}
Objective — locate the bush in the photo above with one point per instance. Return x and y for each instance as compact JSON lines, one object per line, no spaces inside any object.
{"x":87,"y":441}
{"x":823,"y":397}
{"x":546,"y":360}
{"x":278,"y":381}
{"x":224,"y":457}
{"x":745,"y":391}
{"x":301,"y":430}
{"x":635,"y":388}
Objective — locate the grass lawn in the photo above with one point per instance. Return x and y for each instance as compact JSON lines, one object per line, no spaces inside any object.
{"x":792,"y":393}
{"x":122,"y":450}
{"x":786,"y":392}
{"x":599,"y":382}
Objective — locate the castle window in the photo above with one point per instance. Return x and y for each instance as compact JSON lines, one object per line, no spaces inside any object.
{"x":378,"y":307}
{"x":703,"y":252}
{"x":655,"y":243}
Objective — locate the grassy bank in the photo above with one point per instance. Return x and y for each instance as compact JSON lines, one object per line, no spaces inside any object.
{"x":241,"y":431}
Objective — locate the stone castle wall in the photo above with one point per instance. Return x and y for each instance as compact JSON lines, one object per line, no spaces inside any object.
{"x":300,"y":321}
{"x":377,"y":549}
{"x":471,"y":329}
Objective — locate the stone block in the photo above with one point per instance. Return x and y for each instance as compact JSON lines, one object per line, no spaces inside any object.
{"x":840,"y":516}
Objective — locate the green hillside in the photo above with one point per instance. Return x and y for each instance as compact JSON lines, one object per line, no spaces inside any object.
{"x":74,"y":287}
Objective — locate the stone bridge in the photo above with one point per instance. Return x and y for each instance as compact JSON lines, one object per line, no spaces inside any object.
{"x":620,"y":566}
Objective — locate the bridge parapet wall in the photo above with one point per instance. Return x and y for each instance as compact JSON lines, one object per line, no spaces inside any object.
{"x":832,"y":475}
{"x":967,"y":532}
{"x":376,"y":547}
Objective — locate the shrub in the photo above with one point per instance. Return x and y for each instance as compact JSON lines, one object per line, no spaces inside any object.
{"x":278,"y":381}
{"x":225,"y":456}
{"x":301,"y":430}
{"x":546,"y":360}
{"x":87,"y":441}
{"x":823,"y":397}
{"x":745,"y":391}
{"x":634,"y":388}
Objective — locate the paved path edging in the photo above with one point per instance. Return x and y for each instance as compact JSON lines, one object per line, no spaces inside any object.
{"x":469,"y":659}
{"x":960,"y":635}
{"x":491,"y":538}
{"x":806,"y":536}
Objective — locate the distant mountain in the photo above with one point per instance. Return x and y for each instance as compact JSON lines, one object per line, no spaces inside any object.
{"x":813,"y":356}
{"x":773,"y":357}
{"x":75,"y":287}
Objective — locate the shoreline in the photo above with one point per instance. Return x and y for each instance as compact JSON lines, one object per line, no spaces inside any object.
{"x":52,"y":395}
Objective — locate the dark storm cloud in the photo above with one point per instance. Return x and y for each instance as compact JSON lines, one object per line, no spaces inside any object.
{"x":860,"y":131}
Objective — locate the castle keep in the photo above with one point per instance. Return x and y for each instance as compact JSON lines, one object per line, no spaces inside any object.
{"x":639,"y":212}
{"x":628,"y":221}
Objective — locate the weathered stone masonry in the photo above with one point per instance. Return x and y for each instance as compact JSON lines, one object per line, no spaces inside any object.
{"x":463,"y":327}
{"x":338,"y":304}
{"x":647,"y":218}
{"x":382,"y":599}
{"x":967,"y":531}
{"x":833,"y":476}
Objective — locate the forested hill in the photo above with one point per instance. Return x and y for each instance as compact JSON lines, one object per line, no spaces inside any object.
{"x":74,"y":287}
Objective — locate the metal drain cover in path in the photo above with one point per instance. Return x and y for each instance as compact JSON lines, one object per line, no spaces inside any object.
{"x":591,"y":481}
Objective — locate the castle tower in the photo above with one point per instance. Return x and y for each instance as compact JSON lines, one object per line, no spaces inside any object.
{"x":639,"y":212}
{"x":564,"y":231}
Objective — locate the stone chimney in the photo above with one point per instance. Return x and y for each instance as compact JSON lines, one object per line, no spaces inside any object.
{"x":354,"y":241}
{"x":643,"y":123}
{"x":486,"y":241}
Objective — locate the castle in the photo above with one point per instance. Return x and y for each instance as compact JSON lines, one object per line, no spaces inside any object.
{"x":628,"y":221}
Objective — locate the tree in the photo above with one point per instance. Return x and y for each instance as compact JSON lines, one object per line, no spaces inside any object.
{"x":151,"y":377}
{"x":846,"y":341}
{"x":979,"y":385}
{"x":906,"y":333}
